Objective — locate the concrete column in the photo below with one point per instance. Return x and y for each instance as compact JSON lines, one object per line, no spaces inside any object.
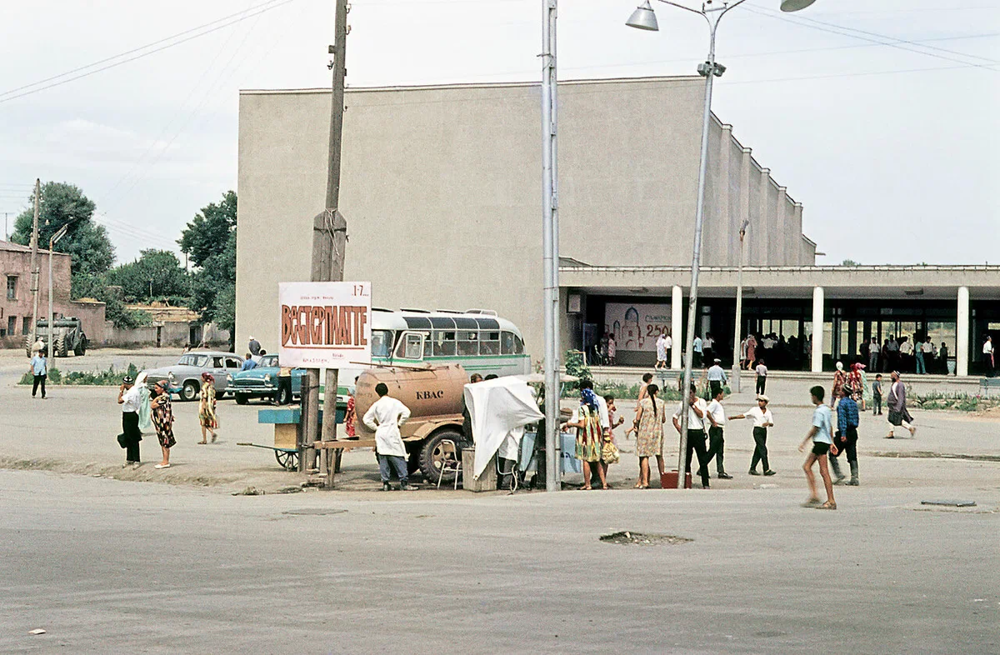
{"x":962,"y":334}
{"x":676,"y":327}
{"x":783,"y":234}
{"x":796,"y":238}
{"x":727,"y":222}
{"x":765,"y":222}
{"x":744,"y":202}
{"x":817,"y":345}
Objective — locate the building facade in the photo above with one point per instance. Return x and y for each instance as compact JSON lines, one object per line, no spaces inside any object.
{"x":441,"y":188}
{"x":17,"y":304}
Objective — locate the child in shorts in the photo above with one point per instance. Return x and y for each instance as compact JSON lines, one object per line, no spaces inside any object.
{"x":877,"y":395}
{"x":821,"y":435}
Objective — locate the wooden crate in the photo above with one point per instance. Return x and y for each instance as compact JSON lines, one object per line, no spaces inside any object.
{"x":286,"y":435}
{"x":486,"y":482}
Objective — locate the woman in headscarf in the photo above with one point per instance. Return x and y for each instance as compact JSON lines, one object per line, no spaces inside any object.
{"x":129,"y":399}
{"x":867,"y":394}
{"x":163,"y":421}
{"x":145,"y":413}
{"x":839,"y":380}
{"x":589,"y":434}
{"x":856,"y":384}
{"x":206,"y":408}
{"x":649,"y":421}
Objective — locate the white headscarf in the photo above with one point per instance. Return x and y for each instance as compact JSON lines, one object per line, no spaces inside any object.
{"x":840,"y":367}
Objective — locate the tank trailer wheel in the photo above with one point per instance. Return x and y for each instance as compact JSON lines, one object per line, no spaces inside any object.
{"x":436,"y":449}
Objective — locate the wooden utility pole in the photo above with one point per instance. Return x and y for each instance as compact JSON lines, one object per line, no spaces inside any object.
{"x":34,"y":270}
{"x":329,"y":243}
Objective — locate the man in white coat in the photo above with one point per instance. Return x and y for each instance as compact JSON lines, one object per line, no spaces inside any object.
{"x":384,"y":417}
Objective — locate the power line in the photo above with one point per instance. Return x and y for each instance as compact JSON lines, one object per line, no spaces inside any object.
{"x":129,"y":52}
{"x":881,"y":39}
{"x":131,"y":59}
{"x":191,"y":115}
{"x":174,"y":118}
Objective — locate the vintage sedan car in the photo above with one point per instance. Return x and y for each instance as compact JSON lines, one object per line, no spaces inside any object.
{"x":262,"y":382}
{"x":184,"y":377}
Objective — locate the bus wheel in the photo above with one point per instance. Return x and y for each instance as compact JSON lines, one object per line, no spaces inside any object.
{"x":440,"y":446}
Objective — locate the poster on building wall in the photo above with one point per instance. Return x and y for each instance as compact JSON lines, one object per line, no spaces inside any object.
{"x":636,"y":326}
{"x":325,"y":324}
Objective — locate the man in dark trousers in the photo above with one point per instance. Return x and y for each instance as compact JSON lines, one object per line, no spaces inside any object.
{"x":696,"y":408}
{"x":846,"y":438}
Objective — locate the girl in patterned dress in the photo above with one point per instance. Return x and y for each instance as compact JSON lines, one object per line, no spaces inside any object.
{"x":649,"y":420}
{"x":589,"y":435}
{"x":206,"y":408}
{"x":163,"y":421}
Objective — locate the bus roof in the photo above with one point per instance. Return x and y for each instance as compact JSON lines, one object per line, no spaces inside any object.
{"x":440,"y":320}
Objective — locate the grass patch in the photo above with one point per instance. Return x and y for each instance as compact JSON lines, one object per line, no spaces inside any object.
{"x":954,"y":401}
{"x":112,"y":377}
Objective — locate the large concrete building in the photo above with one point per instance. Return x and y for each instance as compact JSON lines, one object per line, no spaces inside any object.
{"x":441,"y":188}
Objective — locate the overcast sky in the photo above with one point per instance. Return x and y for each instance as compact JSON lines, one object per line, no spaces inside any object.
{"x":881,"y":117}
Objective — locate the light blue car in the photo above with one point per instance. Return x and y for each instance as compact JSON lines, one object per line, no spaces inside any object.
{"x":262,"y":382}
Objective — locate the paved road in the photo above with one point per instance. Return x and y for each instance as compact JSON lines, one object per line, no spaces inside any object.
{"x":107,"y":566}
{"x":74,"y":431}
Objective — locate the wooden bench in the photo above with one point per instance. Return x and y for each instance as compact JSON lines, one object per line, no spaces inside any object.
{"x":985,"y":384}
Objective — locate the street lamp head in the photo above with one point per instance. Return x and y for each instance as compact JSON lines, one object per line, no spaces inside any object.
{"x":643,"y":18}
{"x":795,"y":5}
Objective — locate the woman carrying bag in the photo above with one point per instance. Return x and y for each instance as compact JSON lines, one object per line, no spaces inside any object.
{"x":206,"y":408}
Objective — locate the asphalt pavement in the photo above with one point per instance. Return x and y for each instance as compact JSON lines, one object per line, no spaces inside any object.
{"x":110,"y":567}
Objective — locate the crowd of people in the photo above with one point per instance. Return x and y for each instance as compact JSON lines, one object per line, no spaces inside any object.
{"x":833,"y":430}
{"x":148,"y":408}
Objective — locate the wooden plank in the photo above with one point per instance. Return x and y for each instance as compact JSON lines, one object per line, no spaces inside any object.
{"x":342,"y":444}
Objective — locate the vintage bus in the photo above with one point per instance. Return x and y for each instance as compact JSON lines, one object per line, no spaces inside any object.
{"x":478,"y":339}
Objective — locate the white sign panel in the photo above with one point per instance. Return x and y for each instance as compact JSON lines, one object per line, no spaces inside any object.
{"x":636,"y":326}
{"x":325,"y":324}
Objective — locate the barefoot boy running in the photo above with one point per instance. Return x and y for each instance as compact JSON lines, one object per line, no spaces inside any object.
{"x":822,"y":439}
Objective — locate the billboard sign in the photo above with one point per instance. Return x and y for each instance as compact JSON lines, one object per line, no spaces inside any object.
{"x":636,"y":326}
{"x":325,"y":324}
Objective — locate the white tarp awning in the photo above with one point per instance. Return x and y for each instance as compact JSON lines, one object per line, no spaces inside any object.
{"x":498,"y":407}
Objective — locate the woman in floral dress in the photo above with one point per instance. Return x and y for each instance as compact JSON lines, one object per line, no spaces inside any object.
{"x":649,"y":421}
{"x":163,"y":421}
{"x":589,"y":435}
{"x":839,"y":380}
{"x":206,"y":408}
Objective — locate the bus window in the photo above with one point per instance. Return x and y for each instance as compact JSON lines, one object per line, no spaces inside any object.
{"x":518,"y":345}
{"x":489,"y":343}
{"x":411,"y":346}
{"x":468,"y":343}
{"x":381,"y":343}
{"x":444,"y":343}
{"x":507,"y":343}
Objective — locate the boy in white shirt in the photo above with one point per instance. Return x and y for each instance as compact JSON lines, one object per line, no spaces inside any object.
{"x":697,"y":409}
{"x":716,"y":415}
{"x":762,"y":420}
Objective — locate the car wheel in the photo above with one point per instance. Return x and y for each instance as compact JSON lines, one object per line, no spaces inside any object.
{"x":284,"y":396}
{"x":242,"y":399}
{"x":189,"y":391}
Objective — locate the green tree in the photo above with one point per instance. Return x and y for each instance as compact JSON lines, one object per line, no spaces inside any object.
{"x":210,"y":242}
{"x":86,"y":242}
{"x":155,"y":275}
{"x":96,"y":287}
{"x":850,"y":262}
{"x":208,"y":232}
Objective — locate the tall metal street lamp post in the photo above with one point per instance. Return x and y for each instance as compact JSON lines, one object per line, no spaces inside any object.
{"x":53,"y":240}
{"x":737,"y":333}
{"x":644,"y":18}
